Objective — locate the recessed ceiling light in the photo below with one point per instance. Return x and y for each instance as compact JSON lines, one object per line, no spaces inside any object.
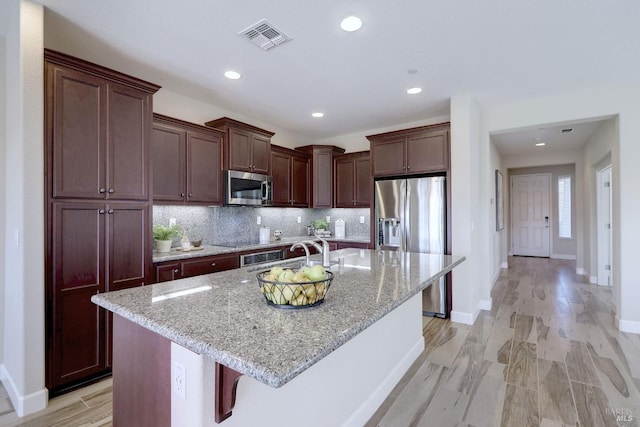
{"x":317,"y":115}
{"x":541,"y":144}
{"x":351,"y":23}
{"x":414,"y":90}
{"x":232,"y":75}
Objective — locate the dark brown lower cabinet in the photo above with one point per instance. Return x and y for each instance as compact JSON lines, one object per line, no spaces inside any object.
{"x":181,"y":269}
{"x":95,"y":247}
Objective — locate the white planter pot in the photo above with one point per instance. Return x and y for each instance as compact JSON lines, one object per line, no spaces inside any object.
{"x":163,"y":245}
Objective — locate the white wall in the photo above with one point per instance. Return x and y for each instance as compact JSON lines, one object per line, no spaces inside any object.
{"x":357,"y":141}
{"x":3,"y":136}
{"x":23,"y":362}
{"x":600,"y":102}
{"x":181,"y":107}
{"x":597,"y":150}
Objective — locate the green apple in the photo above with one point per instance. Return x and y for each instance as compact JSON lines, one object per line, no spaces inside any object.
{"x":317,"y":272}
{"x":286,"y":276}
{"x":276,"y":271}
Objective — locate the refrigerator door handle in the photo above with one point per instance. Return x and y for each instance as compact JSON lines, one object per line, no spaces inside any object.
{"x":406,"y":220}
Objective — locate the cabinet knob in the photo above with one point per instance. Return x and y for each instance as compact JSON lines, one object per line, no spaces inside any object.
{"x":110,"y":190}
{"x":181,"y":194}
{"x":101,"y":211}
{"x":102,"y":190}
{"x":110,"y":211}
{"x":213,"y":264}
{"x":175,"y":271}
{"x":190,"y":195}
{"x":408,"y":167}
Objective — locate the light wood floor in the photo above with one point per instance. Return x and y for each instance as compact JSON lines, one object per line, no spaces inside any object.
{"x":547,"y":354}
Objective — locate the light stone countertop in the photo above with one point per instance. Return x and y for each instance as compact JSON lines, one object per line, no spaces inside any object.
{"x":208,"y":250}
{"x":224,"y":315}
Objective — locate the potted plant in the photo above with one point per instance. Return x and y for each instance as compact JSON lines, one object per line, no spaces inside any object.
{"x":320,"y":224}
{"x":164,"y":237}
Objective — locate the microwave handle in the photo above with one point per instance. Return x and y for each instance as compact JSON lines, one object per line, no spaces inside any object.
{"x":266,"y":190}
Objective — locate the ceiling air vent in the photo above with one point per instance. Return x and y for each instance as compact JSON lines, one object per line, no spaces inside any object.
{"x":264,"y":35}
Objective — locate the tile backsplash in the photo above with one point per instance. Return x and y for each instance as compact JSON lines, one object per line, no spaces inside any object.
{"x":225,"y":224}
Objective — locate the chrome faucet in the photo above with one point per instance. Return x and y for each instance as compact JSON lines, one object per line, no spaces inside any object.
{"x":324,"y":249}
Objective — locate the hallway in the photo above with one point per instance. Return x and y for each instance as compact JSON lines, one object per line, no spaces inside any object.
{"x":547,"y":354}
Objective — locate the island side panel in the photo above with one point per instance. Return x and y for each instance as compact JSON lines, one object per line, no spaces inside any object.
{"x":141,"y":376}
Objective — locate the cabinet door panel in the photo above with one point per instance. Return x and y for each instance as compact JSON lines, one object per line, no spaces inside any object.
{"x":261,"y":148}
{"x":168,"y":161}
{"x":323,"y":182}
{"x":129,"y":119}
{"x":77,"y":332}
{"x":300,"y":181}
{"x":203,"y":168}
{"x":167,"y":271}
{"x":344,"y":189}
{"x":362,"y":181}
{"x":239,"y":150}
{"x":428,"y":152}
{"x":76,"y":118}
{"x":129,"y":245}
{"x":281,"y":176}
{"x":389,"y":157}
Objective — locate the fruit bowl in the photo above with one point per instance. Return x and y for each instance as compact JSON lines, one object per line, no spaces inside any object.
{"x":301,"y":293}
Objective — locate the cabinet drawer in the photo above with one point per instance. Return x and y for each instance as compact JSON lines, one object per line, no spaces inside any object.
{"x":206,"y":265}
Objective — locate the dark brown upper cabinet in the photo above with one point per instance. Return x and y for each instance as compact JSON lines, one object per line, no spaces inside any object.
{"x":246,"y":147}
{"x":290,"y":174}
{"x":352,"y":182}
{"x":321,"y":173}
{"x":97,"y":132}
{"x":98,"y":211}
{"x":412,"y":151}
{"x":187,"y":160}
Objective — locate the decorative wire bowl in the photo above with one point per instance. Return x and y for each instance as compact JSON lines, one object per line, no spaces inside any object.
{"x":294,"y":294}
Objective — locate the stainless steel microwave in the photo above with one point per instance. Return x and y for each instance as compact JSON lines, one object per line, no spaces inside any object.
{"x":247,"y":188}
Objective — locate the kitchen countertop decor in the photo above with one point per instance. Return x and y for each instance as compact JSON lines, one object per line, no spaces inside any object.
{"x":223,"y":315}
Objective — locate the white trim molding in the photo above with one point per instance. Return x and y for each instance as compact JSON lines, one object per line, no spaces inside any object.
{"x":470,"y":318}
{"x":563,"y":256}
{"x":23,"y":404}
{"x":630,"y":326}
{"x":504,"y":265}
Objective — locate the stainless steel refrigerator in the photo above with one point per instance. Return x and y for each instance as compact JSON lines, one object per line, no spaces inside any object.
{"x":410,"y":215}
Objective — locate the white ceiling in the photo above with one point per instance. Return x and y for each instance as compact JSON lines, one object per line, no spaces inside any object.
{"x":495,"y":50}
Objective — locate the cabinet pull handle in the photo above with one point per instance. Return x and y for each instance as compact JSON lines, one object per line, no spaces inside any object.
{"x":102,"y":190}
{"x":110,"y":211}
{"x":213,"y":264}
{"x":111,"y":190}
{"x":101,"y":211}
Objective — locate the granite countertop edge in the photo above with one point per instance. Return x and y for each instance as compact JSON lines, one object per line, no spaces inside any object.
{"x":245,"y":367}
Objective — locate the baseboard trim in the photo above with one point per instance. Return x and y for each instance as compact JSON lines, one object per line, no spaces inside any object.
{"x":23,"y":404}
{"x":563,"y":256}
{"x":504,"y":265}
{"x":375,"y":399}
{"x":581,"y":271}
{"x":593,"y":279}
{"x":631,"y":326}
{"x":470,"y":318}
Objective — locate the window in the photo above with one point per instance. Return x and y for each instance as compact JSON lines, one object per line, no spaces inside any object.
{"x":564,"y":207}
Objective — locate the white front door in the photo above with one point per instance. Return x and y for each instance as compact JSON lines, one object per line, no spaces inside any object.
{"x":530,"y":214}
{"x":604,"y":227}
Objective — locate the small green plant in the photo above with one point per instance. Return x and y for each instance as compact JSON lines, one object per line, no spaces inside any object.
{"x":160,"y":232}
{"x":320,"y":224}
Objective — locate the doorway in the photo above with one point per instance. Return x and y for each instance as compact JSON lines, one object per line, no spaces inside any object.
{"x":603,"y":221}
{"x":530,"y":215}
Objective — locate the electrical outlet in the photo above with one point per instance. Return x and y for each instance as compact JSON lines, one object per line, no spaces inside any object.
{"x":259,"y":220}
{"x":172,"y":222}
{"x":361,"y":219}
{"x":328,"y":218}
{"x":299,"y":219}
{"x":179,"y":380}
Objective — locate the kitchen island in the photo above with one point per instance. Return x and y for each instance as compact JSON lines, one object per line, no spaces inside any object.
{"x":327,"y":365}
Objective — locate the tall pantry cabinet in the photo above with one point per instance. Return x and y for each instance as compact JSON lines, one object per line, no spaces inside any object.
{"x":98,"y":230}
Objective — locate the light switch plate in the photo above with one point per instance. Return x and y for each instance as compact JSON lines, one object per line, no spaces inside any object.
{"x":361,"y":219}
{"x":259,"y":220}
